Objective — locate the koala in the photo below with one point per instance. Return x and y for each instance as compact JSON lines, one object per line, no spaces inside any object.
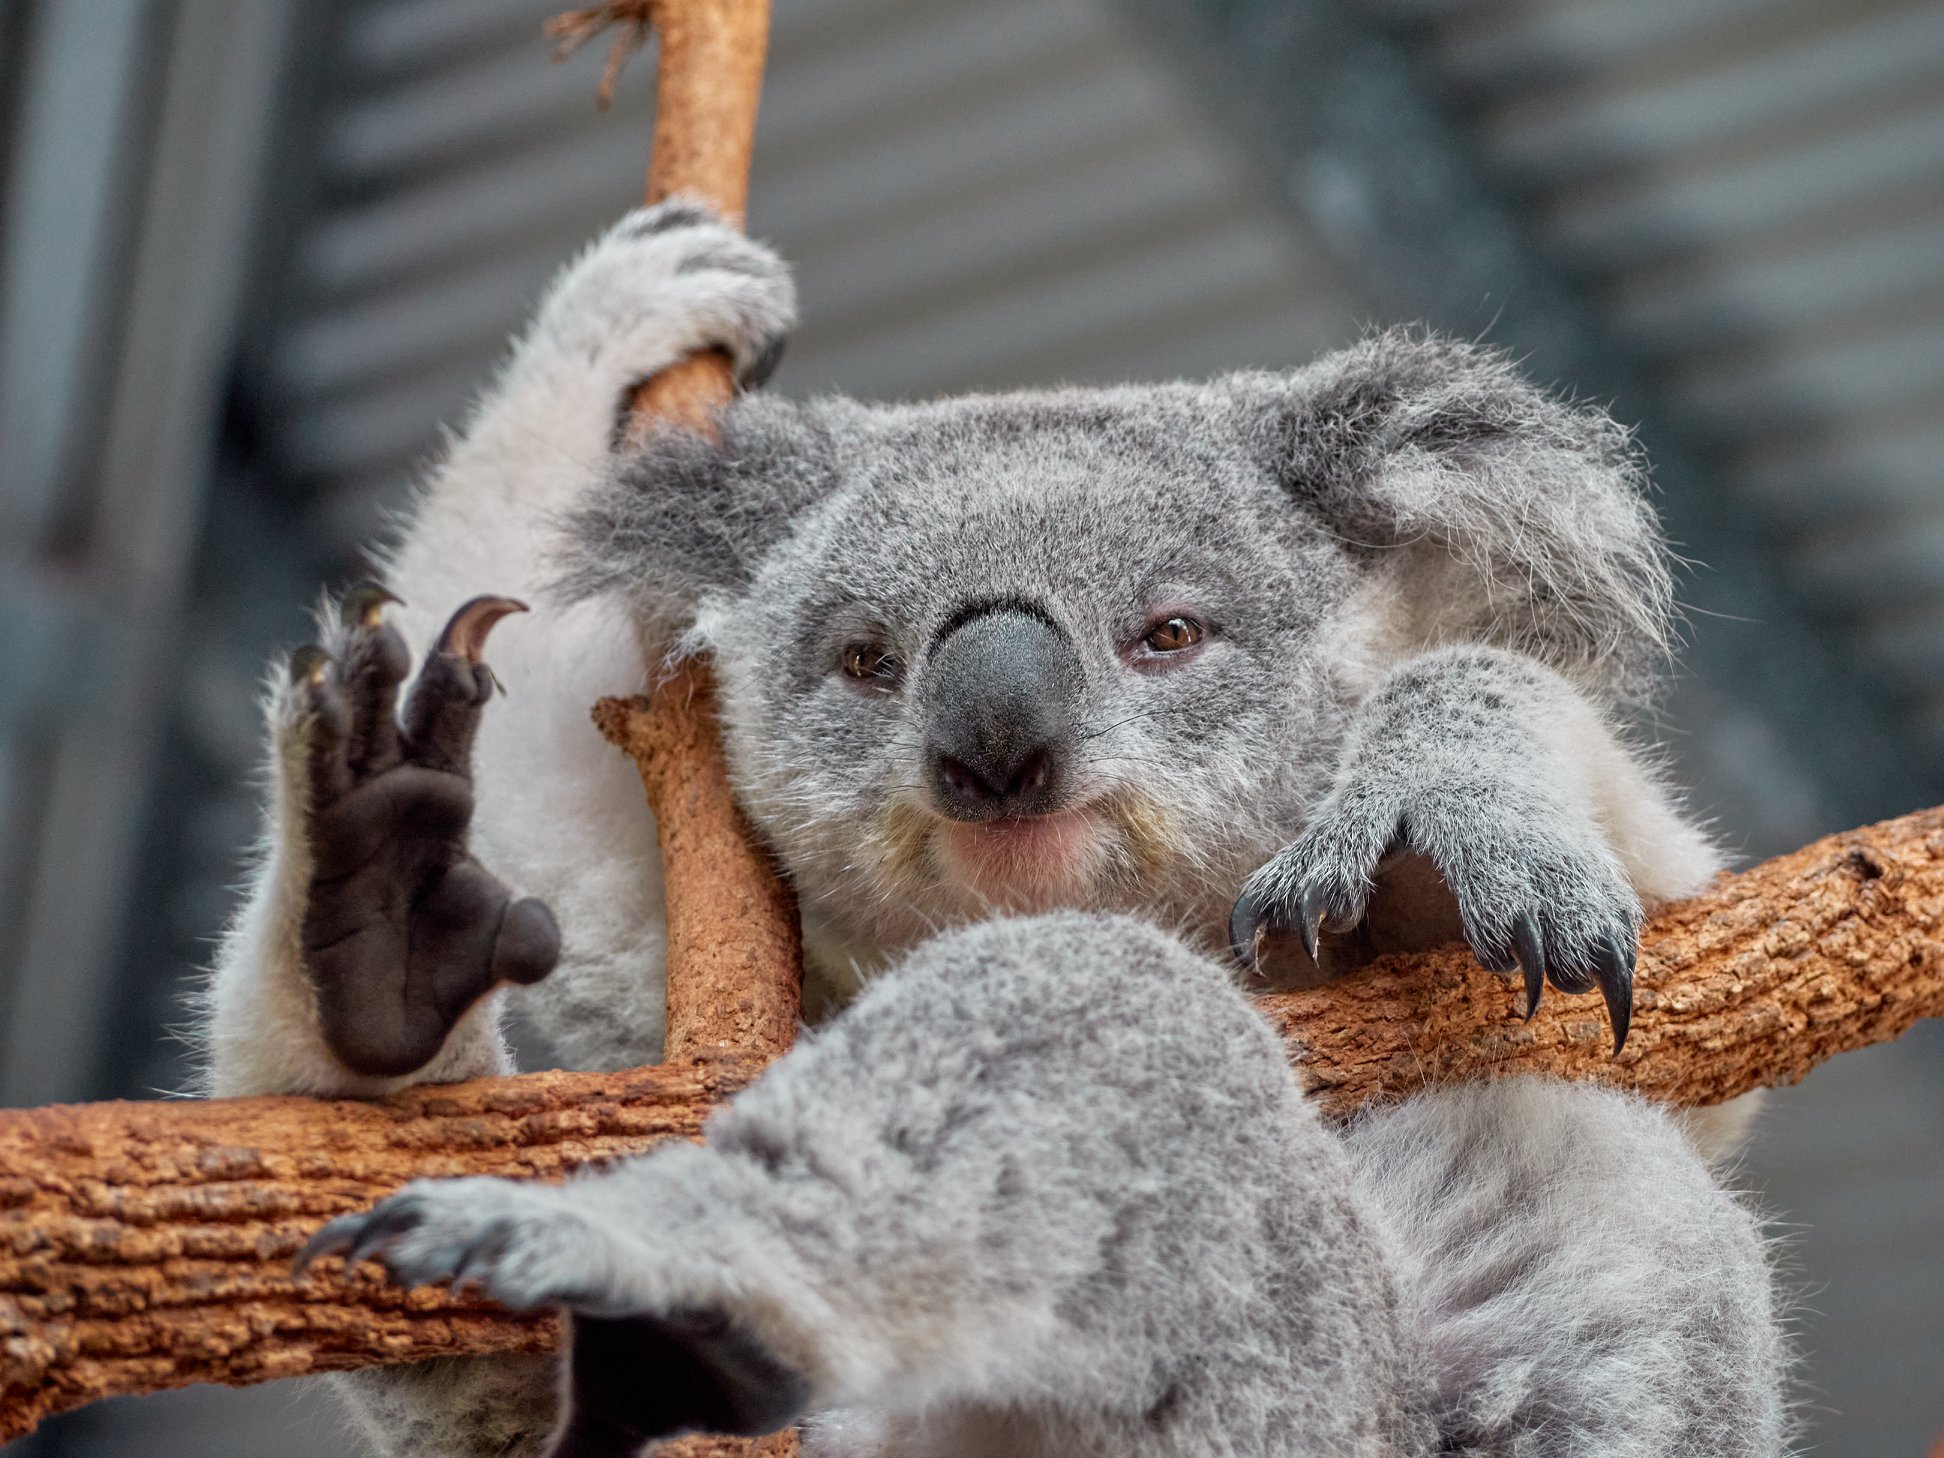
{"x":1060,"y":709}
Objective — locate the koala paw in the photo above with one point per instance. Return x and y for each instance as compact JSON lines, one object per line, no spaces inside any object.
{"x":633,"y":1375}
{"x":666,"y":281}
{"x":519,"y":1243}
{"x":402,"y":930}
{"x":1536,"y":887}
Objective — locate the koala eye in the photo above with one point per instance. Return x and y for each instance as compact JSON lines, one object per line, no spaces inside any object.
{"x":1176,"y":635}
{"x":1171,"y":640}
{"x":870,"y":664}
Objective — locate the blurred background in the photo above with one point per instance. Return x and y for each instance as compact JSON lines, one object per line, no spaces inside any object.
{"x":255,"y":252}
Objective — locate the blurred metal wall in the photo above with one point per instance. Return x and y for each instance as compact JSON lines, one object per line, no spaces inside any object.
{"x":255,"y":252}
{"x":136,"y":164}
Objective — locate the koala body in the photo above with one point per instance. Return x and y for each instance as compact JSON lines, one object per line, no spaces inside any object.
{"x":1049,"y":1189}
{"x":1343,"y":652}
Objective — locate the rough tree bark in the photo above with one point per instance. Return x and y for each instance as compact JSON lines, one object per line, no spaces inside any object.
{"x":148,"y":1245}
{"x":739,"y":993}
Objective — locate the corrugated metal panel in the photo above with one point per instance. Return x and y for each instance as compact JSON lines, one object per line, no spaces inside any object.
{"x":1755,"y":191}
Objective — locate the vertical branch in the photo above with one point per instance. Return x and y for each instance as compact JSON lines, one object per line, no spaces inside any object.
{"x":734,"y":952}
{"x":734,"y":949}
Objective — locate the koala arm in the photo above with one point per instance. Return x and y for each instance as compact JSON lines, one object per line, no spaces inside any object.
{"x":1547,"y":830}
{"x":557,"y":812}
{"x":1513,"y":599}
{"x":1047,"y":1178}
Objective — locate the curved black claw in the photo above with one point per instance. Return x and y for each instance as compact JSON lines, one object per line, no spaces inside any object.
{"x":1531,"y":953}
{"x":464,"y":635}
{"x":1311,"y":907}
{"x":1613,"y":969}
{"x":1245,"y":928}
{"x":363,"y":604}
{"x":1258,"y":912}
{"x":764,"y":365}
{"x":355,"y":1236}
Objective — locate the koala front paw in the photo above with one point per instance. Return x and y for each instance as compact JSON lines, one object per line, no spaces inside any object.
{"x":519,"y":1243}
{"x":633,"y":1375}
{"x":1535,"y":886}
{"x":666,"y":281}
{"x":402,"y":930}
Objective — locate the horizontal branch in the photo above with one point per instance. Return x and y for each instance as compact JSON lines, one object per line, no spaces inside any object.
{"x":145,"y":1246}
{"x":148,"y":1245}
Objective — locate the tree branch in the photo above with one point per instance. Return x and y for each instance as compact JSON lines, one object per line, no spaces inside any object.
{"x":145,"y":1246}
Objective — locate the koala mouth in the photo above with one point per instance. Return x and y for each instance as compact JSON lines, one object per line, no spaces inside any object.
{"x":1026,"y":862}
{"x":1114,"y":848}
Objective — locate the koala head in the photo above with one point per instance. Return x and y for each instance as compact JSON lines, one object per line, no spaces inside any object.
{"x":1096,"y":648}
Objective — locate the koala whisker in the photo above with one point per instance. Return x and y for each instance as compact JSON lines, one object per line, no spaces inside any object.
{"x":1154,"y":713}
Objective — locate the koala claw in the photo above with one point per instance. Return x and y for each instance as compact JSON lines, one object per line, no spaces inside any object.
{"x":1244,"y":929}
{"x":1556,"y":907}
{"x":1614,"y":971}
{"x":1530,"y":954}
{"x":363,"y":605}
{"x":354,"y":1236}
{"x":465,"y":631}
{"x":309,"y":665}
{"x":479,"y":1232}
{"x":1254,"y":915}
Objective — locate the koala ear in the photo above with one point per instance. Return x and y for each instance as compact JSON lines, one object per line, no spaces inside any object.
{"x":685,"y":517}
{"x":1501,"y":513}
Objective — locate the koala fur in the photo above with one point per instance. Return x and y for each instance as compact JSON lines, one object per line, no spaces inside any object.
{"x":1046,"y":1186}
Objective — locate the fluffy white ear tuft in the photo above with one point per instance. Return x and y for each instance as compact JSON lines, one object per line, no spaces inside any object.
{"x":1504,"y":514}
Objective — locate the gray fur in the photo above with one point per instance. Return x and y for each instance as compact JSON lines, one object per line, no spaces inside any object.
{"x":1050,"y":1188}
{"x":1457,"y":757}
{"x":1580,"y":1282}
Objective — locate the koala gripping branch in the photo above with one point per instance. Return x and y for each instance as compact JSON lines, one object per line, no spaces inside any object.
{"x":145,"y":1246}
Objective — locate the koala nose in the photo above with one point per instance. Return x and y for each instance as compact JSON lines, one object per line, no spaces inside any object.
{"x":1001,"y":689}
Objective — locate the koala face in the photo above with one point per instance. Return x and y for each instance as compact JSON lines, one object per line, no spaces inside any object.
{"x":1009,"y":664}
